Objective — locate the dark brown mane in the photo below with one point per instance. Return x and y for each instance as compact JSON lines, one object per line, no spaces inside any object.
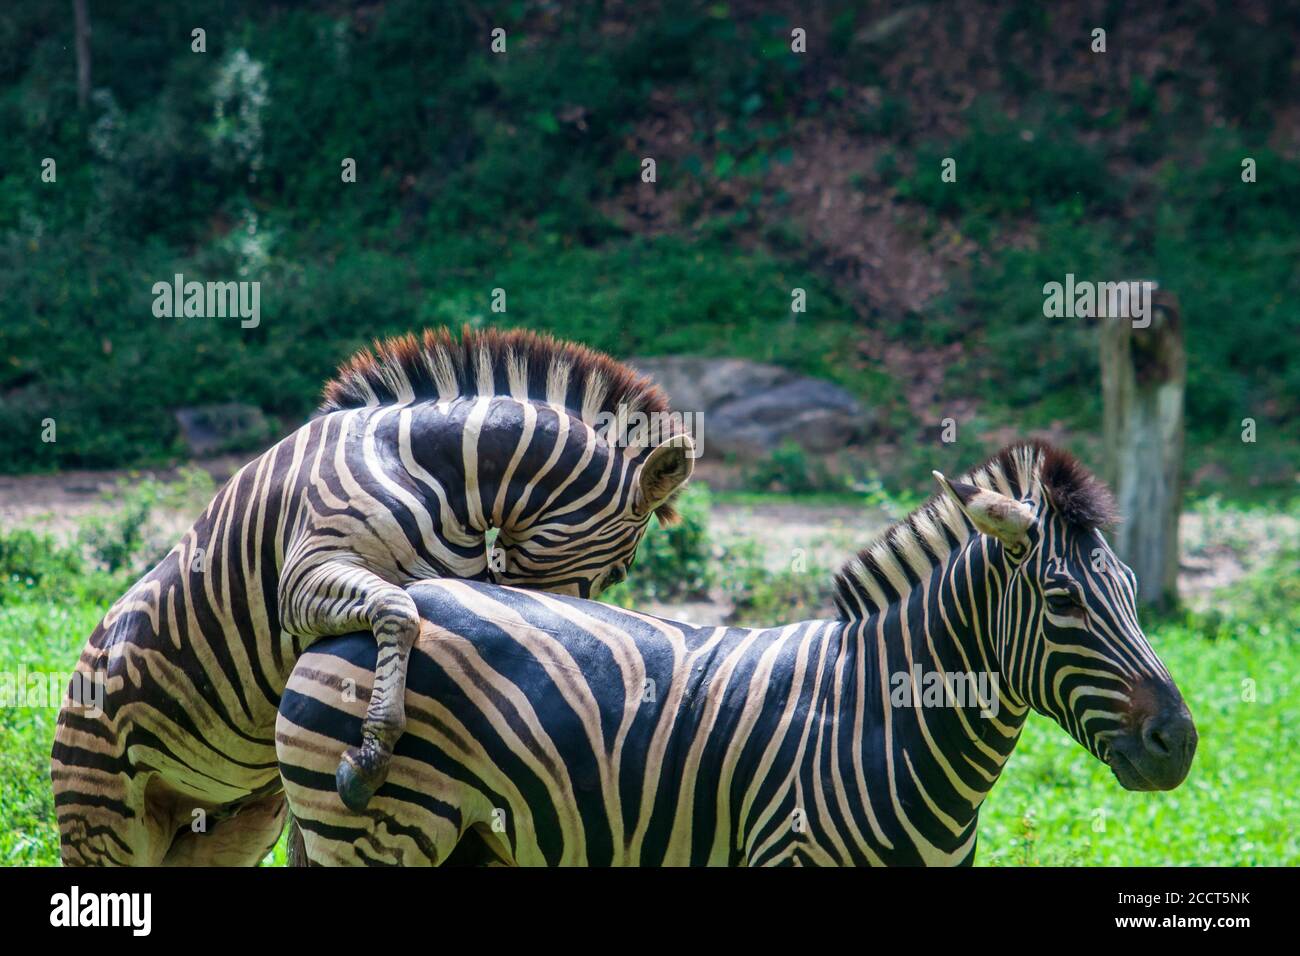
{"x":521,"y":363}
{"x":516,"y":362}
{"x":1078,"y":496}
{"x":901,"y":557}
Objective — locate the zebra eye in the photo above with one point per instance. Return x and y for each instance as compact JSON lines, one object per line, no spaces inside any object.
{"x":1064,"y":601}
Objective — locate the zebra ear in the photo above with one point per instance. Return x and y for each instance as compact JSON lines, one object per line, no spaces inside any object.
{"x":991,"y":513}
{"x":663,"y":472}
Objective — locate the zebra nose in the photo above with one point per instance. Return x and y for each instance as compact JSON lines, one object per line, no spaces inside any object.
{"x":1169,"y":740}
{"x":1155,"y":750}
{"x":1155,"y":738}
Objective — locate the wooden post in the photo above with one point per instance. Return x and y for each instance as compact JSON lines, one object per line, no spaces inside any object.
{"x":1143,"y":378}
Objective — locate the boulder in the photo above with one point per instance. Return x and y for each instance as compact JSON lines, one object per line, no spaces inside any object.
{"x":749,"y":409}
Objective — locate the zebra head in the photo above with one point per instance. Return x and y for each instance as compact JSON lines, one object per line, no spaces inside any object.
{"x":1066,"y":629}
{"x":582,"y":550}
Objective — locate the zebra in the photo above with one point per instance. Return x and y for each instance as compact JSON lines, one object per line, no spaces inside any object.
{"x":552,"y":731}
{"x":422,"y":445}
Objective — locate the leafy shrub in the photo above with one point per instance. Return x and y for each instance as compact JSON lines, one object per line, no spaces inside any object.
{"x":116,"y":540}
{"x":764,"y":598}
{"x":1229,"y":249}
{"x":792,"y":470}
{"x":1006,"y":166}
{"x":483,"y":171}
{"x":127,"y":539}
{"x":34,"y":565}
{"x":1266,"y":600}
{"x":675,"y":563}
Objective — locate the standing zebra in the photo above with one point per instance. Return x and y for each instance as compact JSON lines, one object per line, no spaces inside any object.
{"x":421,"y":447}
{"x":548,"y":730}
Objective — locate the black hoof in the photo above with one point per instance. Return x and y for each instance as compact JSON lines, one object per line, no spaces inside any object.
{"x":357,"y":779}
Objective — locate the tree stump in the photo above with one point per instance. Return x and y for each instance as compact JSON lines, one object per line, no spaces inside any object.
{"x":1143,"y":379}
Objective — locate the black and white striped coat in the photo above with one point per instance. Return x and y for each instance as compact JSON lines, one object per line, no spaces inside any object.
{"x":550,"y":730}
{"x":422,"y":447}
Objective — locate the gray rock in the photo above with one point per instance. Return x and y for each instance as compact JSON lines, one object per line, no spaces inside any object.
{"x":749,"y":408}
{"x":208,"y":429}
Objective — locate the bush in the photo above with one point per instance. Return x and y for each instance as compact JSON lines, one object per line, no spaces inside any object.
{"x":763,"y":598}
{"x":127,"y":539}
{"x":674,"y":563}
{"x":681,"y":563}
{"x":1007,"y":167}
{"x":790,"y":469}
{"x":35,"y":566}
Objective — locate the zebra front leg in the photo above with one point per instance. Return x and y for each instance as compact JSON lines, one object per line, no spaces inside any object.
{"x":335,"y":599}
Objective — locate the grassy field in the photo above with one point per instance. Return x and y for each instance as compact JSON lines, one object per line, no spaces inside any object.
{"x":1056,"y":805}
{"x":1237,"y":662}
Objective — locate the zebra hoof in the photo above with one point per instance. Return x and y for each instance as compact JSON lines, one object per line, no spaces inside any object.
{"x":357,"y":778}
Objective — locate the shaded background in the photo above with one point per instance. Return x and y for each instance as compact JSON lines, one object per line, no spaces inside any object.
{"x":775,"y":170}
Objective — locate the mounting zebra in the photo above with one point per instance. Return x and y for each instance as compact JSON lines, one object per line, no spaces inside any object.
{"x":548,"y":730}
{"x":421,"y":447}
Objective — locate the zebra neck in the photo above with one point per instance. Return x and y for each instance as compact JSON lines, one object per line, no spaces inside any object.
{"x":927,"y":691}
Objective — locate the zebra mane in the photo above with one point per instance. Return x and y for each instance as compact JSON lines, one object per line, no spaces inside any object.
{"x":526,"y":365}
{"x":902,"y":557}
{"x":517,"y":362}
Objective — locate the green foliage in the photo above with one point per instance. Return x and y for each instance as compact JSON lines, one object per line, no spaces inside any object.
{"x":481,"y":171}
{"x":764,"y":598}
{"x":34,"y":565}
{"x":111,"y":391}
{"x":1272,"y":593}
{"x":37,"y":568}
{"x":790,"y":469}
{"x":1226,"y":247}
{"x":681,"y":563}
{"x":116,"y":540}
{"x":125,"y":539}
{"x":1229,"y":248}
{"x":1004,"y":167}
{"x":673,"y":563}
{"x":39,"y":636}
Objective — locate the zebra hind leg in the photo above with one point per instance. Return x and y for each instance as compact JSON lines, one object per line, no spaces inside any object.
{"x":362,"y":770}
{"x":242,"y":839}
{"x":295,"y":850}
{"x":310,"y":608}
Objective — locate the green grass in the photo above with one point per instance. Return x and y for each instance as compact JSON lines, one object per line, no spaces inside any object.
{"x":39,"y":638}
{"x":1057,"y":805}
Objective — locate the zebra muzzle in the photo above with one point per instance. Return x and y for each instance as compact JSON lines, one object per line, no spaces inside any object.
{"x":1156,"y":752}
